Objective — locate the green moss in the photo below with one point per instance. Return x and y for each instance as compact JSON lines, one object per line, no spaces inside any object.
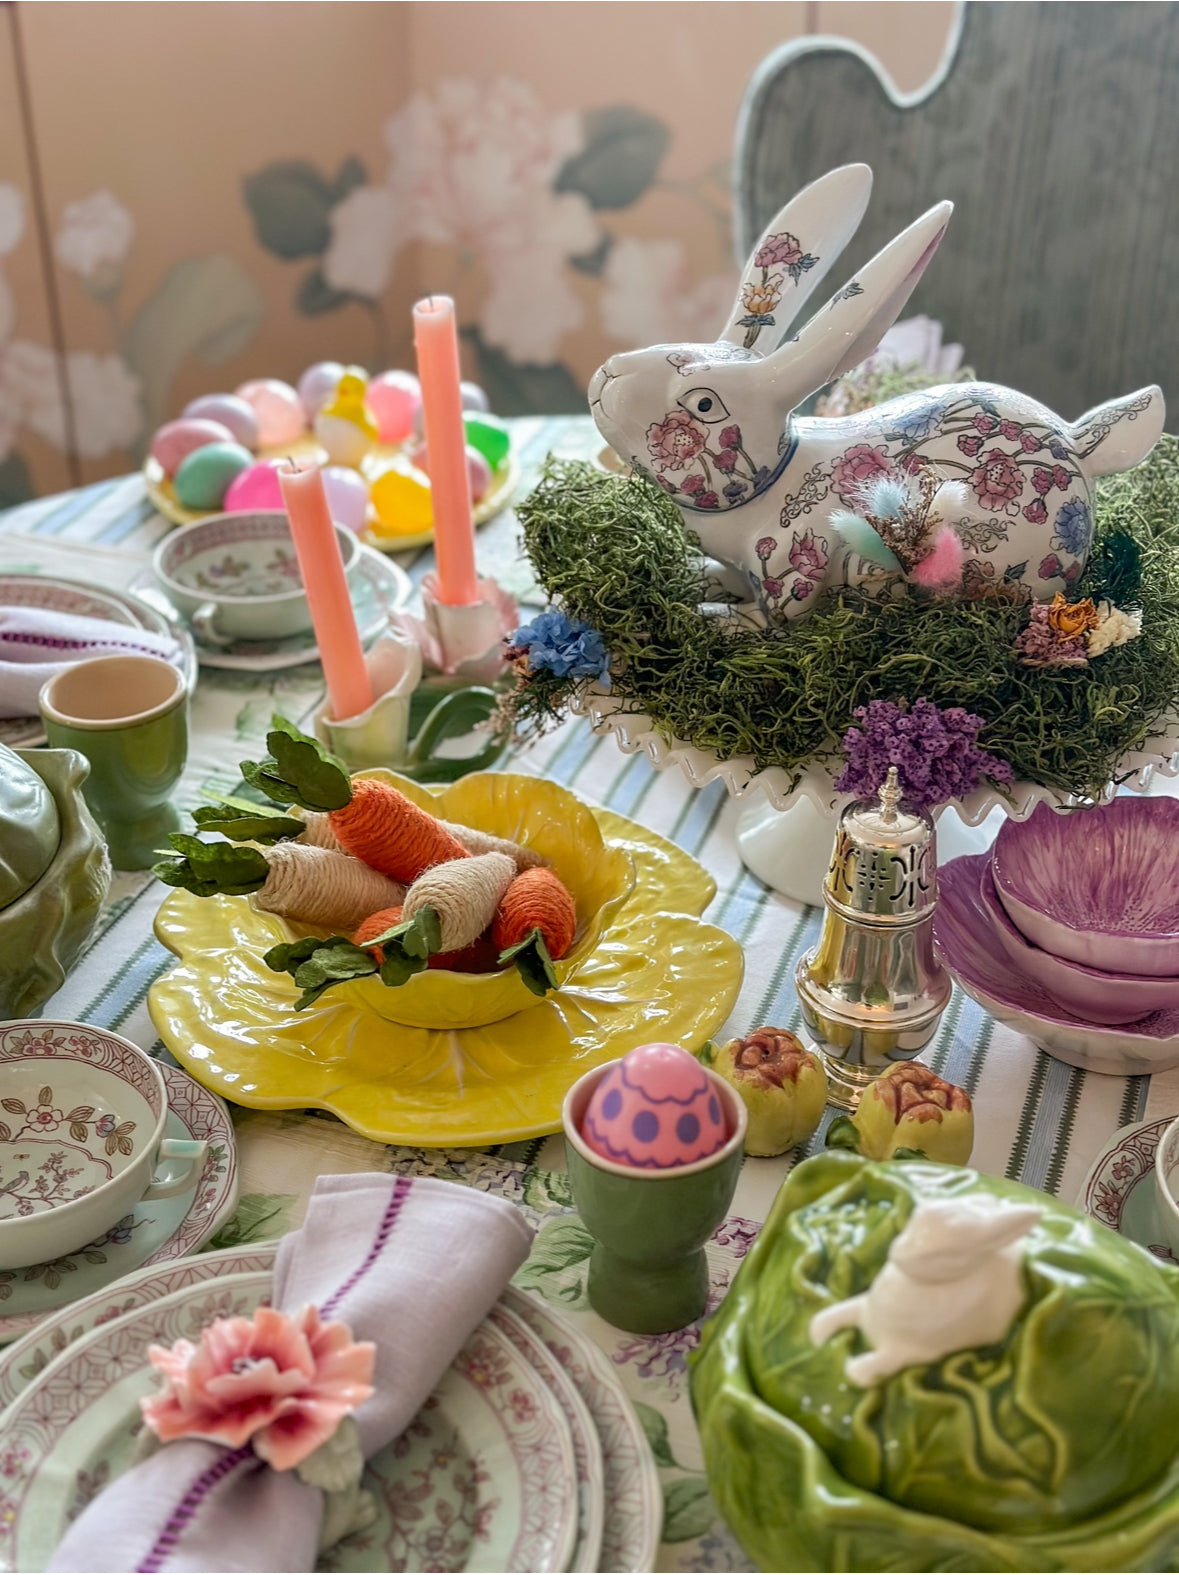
{"x":616,"y":553}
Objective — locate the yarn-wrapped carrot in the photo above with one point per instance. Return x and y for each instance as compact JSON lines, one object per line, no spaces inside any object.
{"x":312,"y":885}
{"x":464,"y":894}
{"x":535,"y":924}
{"x":370,"y":819}
{"x":476,"y":841}
{"x":479,"y":957}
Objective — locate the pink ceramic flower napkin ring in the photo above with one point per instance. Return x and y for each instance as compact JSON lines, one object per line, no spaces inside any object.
{"x":280,"y":1383}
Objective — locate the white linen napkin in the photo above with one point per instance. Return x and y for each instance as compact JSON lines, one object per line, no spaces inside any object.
{"x":36,"y":643}
{"x":412,"y":1263}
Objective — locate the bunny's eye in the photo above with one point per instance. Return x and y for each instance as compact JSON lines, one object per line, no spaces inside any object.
{"x":705,"y":404}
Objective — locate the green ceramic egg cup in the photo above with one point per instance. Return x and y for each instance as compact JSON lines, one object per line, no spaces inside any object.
{"x":648,"y":1273}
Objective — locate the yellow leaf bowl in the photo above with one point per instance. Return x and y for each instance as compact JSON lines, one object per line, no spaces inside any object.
{"x":454,"y":1059}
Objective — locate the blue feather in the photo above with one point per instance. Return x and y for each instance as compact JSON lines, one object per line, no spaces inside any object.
{"x":861,"y":538}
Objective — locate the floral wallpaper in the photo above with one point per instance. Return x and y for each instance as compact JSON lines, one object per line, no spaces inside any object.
{"x":562,"y":170}
{"x":521,"y":198}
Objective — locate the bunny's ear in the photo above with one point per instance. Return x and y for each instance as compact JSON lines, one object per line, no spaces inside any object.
{"x":845,"y":331}
{"x":794,"y":254}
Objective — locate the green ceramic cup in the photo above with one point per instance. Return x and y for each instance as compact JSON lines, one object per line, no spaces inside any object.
{"x":129,"y":716}
{"x":648,"y":1273}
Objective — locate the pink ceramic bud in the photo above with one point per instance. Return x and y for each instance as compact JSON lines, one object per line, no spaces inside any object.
{"x":231,"y":411}
{"x":394,"y":400}
{"x":347,"y":495}
{"x":278,"y":408}
{"x":655,"y":1109}
{"x":478,"y":470}
{"x":317,"y":385}
{"x":256,"y":488}
{"x":174,"y":442}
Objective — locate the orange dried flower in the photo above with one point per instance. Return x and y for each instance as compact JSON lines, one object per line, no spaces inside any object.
{"x":1070,"y":619}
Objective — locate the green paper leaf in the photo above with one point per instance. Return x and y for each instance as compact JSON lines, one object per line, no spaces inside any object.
{"x":688,"y":1510}
{"x":398,"y":969}
{"x":335,"y":958}
{"x":654,"y":1425}
{"x":247,"y":825}
{"x":211,"y":868}
{"x":299,"y":769}
{"x":624,"y":147}
{"x":532,"y":958}
{"x":287,"y":956}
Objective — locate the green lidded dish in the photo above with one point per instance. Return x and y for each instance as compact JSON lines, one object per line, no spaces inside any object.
{"x":1056,"y":1448}
{"x":30,"y":828}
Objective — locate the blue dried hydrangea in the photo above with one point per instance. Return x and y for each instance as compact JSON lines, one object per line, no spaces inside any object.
{"x":564,"y":645}
{"x":935,"y":751}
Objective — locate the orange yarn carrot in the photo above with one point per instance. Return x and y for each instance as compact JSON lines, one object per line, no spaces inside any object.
{"x":390,"y":833}
{"x":536,"y":900}
{"x":479,"y":957}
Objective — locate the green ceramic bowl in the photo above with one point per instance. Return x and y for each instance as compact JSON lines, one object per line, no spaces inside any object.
{"x":29,"y":827}
{"x":43,"y":931}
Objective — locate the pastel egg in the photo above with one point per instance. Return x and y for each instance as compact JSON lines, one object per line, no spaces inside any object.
{"x":317,"y":385}
{"x":255,"y":488}
{"x":175,"y":441}
{"x":489,"y":436}
{"x":478,"y":470}
{"x":347,"y":495}
{"x":278,"y":408}
{"x":231,"y":411}
{"x":655,"y":1109}
{"x":394,"y":400}
{"x":345,"y":440}
{"x":205,"y":475}
{"x":473,"y":397}
{"x":403,"y":504}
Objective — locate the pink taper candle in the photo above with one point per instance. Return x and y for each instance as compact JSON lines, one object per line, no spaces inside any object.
{"x":322,"y":570}
{"x":435,"y":337}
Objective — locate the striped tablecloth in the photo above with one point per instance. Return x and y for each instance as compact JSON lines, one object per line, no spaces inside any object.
{"x":1037,"y":1120}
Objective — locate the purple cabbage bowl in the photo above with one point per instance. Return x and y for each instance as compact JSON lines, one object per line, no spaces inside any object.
{"x":1090,"y":993}
{"x":1099,"y":886}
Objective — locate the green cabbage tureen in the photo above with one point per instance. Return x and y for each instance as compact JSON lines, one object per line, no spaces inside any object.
{"x":1053,"y":1445}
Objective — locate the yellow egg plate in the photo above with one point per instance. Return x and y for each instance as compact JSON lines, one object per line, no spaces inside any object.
{"x":162,"y":492}
{"x":651,"y":970}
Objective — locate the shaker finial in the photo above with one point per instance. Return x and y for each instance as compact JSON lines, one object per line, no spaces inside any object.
{"x":890,"y":796}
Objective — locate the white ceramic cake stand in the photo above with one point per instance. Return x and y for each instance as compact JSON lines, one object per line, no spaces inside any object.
{"x":785,"y":833}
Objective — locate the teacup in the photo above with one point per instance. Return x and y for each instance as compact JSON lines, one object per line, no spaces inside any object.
{"x":1166,"y":1182}
{"x":82,"y":1115}
{"x":647,"y":1272}
{"x":128,"y":715}
{"x":236,"y":576}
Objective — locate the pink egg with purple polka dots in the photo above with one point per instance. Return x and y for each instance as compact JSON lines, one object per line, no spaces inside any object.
{"x":655,"y":1109}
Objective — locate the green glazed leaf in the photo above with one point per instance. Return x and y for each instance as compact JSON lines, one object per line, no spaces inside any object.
{"x":532,"y":958}
{"x":210,"y":868}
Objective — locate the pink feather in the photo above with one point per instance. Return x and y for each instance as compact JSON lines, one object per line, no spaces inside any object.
{"x":941,"y":570}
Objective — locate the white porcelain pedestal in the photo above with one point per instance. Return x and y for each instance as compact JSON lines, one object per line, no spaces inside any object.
{"x":790,"y":849}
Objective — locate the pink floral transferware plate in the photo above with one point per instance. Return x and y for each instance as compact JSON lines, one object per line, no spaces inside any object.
{"x":1120,"y":1188}
{"x":151,"y":1233}
{"x":483,"y":1478}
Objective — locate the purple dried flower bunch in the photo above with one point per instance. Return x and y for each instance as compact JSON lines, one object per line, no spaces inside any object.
{"x":935,"y":751}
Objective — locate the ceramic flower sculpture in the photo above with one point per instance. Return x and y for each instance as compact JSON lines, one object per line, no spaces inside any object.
{"x":967,"y":485}
{"x":922,"y":1367}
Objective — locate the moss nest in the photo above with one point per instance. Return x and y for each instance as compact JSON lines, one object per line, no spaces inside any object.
{"x":615,"y":552}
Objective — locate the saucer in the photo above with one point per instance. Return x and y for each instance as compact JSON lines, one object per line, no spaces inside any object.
{"x":151,"y":1232}
{"x":379,"y":588}
{"x":48,"y":592}
{"x":1119,"y":1189}
{"x":963,"y":932}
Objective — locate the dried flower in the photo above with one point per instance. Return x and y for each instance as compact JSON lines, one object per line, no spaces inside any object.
{"x":1113,"y":627}
{"x":935,"y":751}
{"x":1069,"y":619}
{"x":566,"y":646}
{"x":1042,"y":645}
{"x":282,"y":1383}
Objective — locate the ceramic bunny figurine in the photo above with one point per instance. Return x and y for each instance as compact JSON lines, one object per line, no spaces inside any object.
{"x":952,"y":1282}
{"x":758,"y":485}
